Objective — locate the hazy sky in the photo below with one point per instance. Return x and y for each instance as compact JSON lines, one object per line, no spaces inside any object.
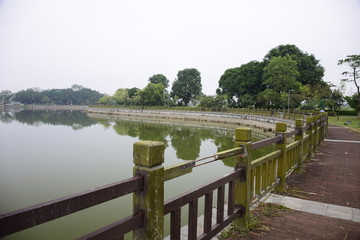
{"x":110,"y":44}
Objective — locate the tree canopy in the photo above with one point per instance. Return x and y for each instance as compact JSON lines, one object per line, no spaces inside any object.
{"x":152,"y":95}
{"x":284,"y":70}
{"x":187,"y":86}
{"x":280,"y":79}
{"x":310,"y":70}
{"x":242,"y":84}
{"x":159,"y":78}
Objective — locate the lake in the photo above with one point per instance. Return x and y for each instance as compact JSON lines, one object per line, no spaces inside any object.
{"x":50,"y":154}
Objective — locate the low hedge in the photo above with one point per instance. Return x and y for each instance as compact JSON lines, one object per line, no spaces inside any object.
{"x":342,"y":113}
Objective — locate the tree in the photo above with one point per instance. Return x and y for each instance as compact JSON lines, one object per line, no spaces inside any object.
{"x":353,"y":101}
{"x":335,"y":101}
{"x":310,"y":70}
{"x":242,"y":84}
{"x":315,"y":96}
{"x":159,"y":78}
{"x":133,"y":92}
{"x":121,"y":96}
{"x":6,"y":96}
{"x":152,"y":95}
{"x":280,"y":78}
{"x":187,"y":86}
{"x":353,"y":61}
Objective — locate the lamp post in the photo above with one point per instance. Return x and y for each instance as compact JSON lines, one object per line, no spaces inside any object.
{"x":291,"y":90}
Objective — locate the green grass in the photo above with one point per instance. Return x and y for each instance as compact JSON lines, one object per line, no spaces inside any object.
{"x":354,"y":124}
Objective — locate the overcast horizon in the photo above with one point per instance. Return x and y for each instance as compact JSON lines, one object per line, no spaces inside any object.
{"x":106,"y":45}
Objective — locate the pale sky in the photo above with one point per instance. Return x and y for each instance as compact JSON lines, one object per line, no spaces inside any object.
{"x":110,"y":44}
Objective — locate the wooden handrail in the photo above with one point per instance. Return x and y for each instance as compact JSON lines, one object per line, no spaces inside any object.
{"x":24,"y":218}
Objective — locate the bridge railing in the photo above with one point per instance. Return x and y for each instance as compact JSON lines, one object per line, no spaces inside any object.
{"x":250,"y":180}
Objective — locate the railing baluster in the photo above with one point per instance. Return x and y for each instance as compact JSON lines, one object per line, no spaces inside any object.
{"x":258,"y":179}
{"x":208,"y":212}
{"x":192,"y":227}
{"x":231,"y":198}
{"x":220,"y":205}
{"x":175,"y":225}
{"x":265,"y":170}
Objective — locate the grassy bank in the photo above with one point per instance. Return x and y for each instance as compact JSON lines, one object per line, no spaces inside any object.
{"x":352,"y":122}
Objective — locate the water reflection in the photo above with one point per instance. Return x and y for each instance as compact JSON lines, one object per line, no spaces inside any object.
{"x":186,"y":140}
{"x":74,"y":119}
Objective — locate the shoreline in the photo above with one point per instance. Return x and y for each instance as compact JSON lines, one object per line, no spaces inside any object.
{"x":261,"y":123}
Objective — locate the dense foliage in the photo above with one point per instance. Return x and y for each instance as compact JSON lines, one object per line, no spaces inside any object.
{"x":286,"y":78}
{"x":241,"y":85}
{"x":187,"y":86}
{"x":75,"y":95}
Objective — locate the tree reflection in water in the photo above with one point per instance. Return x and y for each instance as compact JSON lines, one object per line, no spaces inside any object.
{"x":186,"y":140}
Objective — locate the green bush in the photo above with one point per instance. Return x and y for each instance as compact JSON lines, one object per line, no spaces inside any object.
{"x":342,"y":113}
{"x":347,"y":113}
{"x":331,"y":113}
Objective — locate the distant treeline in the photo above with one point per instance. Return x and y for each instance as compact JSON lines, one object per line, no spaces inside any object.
{"x":76,"y":95}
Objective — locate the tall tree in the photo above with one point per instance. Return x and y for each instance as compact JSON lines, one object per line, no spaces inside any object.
{"x":310,"y":70}
{"x":159,"y":78}
{"x":242,"y":84}
{"x":280,"y":79}
{"x":353,"y":61}
{"x":187,"y":86}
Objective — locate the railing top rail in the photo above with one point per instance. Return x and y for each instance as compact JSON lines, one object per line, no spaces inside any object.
{"x":292,"y":133}
{"x":183,"y":199}
{"x":24,"y":218}
{"x":117,"y":228}
{"x":265,"y":142}
{"x":264,"y":159}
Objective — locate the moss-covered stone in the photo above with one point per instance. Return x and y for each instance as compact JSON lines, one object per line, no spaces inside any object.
{"x":148,"y":153}
{"x":243,"y":134}
{"x":280,"y":127}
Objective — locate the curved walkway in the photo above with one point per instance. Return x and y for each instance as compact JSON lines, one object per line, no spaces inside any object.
{"x":325,"y":198}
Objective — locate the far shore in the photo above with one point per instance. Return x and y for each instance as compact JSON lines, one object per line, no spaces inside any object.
{"x":55,"y":107}
{"x":265,"y":125}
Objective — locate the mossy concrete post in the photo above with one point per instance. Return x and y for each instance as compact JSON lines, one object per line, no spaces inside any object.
{"x":299,"y":137}
{"x":327,"y":122}
{"x":323,"y":125}
{"x":280,"y":129}
{"x":242,"y":186}
{"x":148,"y":158}
{"x":316,"y":133}
{"x":309,"y":132}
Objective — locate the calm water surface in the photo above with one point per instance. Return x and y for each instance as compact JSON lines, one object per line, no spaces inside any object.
{"x":50,"y":154}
